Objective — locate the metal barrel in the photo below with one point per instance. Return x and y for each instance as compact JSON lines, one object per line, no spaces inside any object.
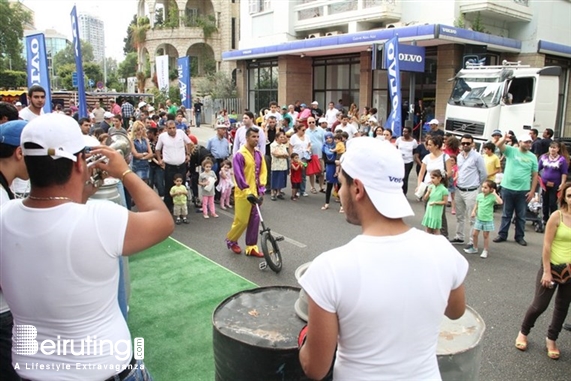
{"x":459,"y":349}
{"x":255,"y":336}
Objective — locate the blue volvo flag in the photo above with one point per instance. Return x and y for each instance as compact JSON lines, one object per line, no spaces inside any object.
{"x":391,"y":61}
{"x":38,"y":66}
{"x":78,"y":64}
{"x":184,"y":81}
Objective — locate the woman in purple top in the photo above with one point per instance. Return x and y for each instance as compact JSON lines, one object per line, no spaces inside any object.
{"x":553,"y":166}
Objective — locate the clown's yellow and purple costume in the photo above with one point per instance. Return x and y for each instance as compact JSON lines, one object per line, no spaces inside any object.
{"x":250,"y":174}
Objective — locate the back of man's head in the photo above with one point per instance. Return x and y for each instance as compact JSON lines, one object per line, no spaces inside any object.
{"x":7,"y":112}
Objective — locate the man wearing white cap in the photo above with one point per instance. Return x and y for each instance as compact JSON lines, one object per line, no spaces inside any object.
{"x":59,"y":270}
{"x":316,"y":112}
{"x":356,"y":296}
{"x":434,"y":130}
{"x":517,"y":189}
{"x":106,"y":124}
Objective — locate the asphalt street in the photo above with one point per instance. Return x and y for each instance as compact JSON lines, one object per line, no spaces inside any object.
{"x":500,"y":288}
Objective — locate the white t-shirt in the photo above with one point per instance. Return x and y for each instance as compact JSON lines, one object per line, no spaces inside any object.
{"x":59,"y":273}
{"x":173,"y":147}
{"x":277,"y":115}
{"x":349,"y":129}
{"x":331,"y":116}
{"x":389,"y":294}
{"x":433,"y":164}
{"x":26,"y":114}
{"x":299,"y":146}
{"x":3,"y":199}
{"x":406,"y":149}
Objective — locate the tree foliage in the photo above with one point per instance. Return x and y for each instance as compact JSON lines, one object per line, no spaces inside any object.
{"x":218,"y":85}
{"x":128,"y":68}
{"x":128,"y":45}
{"x":67,"y":56}
{"x":12,"y":19}
{"x":91,"y":70}
{"x":13,"y":79}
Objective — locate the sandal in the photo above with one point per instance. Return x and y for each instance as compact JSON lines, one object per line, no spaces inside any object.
{"x":552,"y":353}
{"x":325,"y":207}
{"x":521,"y":344}
{"x":322,"y":190}
{"x":341,"y":210}
{"x":313,"y":190}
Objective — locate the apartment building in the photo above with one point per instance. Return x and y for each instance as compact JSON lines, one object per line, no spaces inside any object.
{"x":200,"y":29}
{"x":324,"y":49}
{"x":92,"y":30}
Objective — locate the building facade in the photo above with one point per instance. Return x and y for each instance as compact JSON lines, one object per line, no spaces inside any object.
{"x":55,"y":42}
{"x":324,"y":49}
{"x":200,"y":29}
{"x":92,"y":30}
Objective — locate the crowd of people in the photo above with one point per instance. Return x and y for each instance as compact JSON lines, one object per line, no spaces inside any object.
{"x":340,"y":154}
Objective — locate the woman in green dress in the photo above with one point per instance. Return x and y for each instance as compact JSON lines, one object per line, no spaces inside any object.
{"x":436,"y":197}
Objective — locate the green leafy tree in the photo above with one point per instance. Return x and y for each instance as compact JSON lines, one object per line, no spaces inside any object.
{"x":91,"y":70}
{"x":12,"y":20}
{"x":67,"y":56}
{"x":217,"y":85}
{"x":11,"y":79}
{"x":128,"y":68}
{"x":128,"y":45}
{"x":139,"y":36}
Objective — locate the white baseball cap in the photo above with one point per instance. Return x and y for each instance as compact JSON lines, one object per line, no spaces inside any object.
{"x":525,"y":138}
{"x":315,"y":103}
{"x":108,"y":115}
{"x":434,"y":121}
{"x":58,"y":135}
{"x":322,"y":120}
{"x":18,"y":103}
{"x":141,"y":104}
{"x":379,"y":166}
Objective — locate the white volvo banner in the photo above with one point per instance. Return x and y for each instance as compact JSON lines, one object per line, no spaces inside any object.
{"x":163,"y":73}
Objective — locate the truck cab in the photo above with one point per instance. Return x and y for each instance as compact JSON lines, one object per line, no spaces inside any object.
{"x":510,"y":96}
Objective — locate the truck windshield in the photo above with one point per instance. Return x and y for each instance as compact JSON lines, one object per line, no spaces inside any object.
{"x":476,"y":92}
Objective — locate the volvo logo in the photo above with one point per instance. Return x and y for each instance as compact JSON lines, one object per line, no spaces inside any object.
{"x":463,"y":127}
{"x":410,"y":57}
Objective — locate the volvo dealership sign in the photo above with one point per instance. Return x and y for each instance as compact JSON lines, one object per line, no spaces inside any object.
{"x":411,"y":58}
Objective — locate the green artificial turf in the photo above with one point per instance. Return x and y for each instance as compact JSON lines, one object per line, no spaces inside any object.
{"x":174,"y":291}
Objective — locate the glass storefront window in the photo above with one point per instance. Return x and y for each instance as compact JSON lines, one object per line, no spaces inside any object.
{"x":336,"y":78}
{"x":262,"y":84}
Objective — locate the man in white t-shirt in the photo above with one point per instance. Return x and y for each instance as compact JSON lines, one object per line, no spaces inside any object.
{"x":347,"y":127}
{"x":364,"y":297}
{"x":36,"y":103}
{"x":11,"y":166}
{"x":331,"y":114}
{"x":173,"y":149}
{"x":59,"y":270}
{"x":240,"y":137}
{"x":274,"y":111}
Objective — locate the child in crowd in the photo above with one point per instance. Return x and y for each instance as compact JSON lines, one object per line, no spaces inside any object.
{"x":339,"y":149}
{"x":491,"y":161}
{"x":437,"y":198}
{"x":206,"y":181}
{"x":179,"y":195}
{"x":226,"y":184}
{"x":452,"y":183}
{"x":295,"y":175}
{"x":484,"y":217}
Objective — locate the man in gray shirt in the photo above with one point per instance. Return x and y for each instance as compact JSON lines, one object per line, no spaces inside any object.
{"x":471,"y":174}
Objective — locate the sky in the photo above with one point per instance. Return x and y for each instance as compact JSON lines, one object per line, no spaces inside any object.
{"x":116,"y":14}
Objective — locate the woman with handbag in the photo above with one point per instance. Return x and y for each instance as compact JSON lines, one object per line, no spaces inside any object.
{"x":300,"y":143}
{"x":554,"y":274}
{"x":553,"y":167}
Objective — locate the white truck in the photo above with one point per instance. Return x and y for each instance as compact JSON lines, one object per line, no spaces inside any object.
{"x":506,"y":97}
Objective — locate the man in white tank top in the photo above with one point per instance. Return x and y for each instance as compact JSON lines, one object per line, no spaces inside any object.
{"x":59,"y":270}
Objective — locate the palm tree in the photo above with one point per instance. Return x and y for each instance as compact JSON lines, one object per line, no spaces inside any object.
{"x":139,"y":36}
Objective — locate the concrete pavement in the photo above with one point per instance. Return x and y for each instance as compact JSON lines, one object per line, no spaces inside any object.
{"x":500,"y":287}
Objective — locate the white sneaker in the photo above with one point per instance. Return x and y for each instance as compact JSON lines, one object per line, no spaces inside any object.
{"x":471,"y":250}
{"x":484,"y":254}
{"x":305,"y":194}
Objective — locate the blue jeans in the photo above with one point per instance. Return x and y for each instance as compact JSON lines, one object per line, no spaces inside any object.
{"x":157,"y":179}
{"x":197,"y":116}
{"x":303,"y":177}
{"x":138,"y":374}
{"x":514,"y":201}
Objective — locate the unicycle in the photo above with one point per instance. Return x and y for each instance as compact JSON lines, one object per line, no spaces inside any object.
{"x":269,"y":243}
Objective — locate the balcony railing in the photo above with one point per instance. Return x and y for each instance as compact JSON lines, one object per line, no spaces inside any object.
{"x":499,"y":10}
{"x":319,"y":12}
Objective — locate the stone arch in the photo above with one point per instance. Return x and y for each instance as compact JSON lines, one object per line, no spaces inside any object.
{"x":192,"y":9}
{"x":165,"y":14}
{"x":202,"y":59}
{"x":171,"y":51}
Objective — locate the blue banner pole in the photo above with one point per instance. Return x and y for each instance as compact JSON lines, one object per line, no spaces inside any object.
{"x":78,"y":64}
{"x":37,"y":62}
{"x":184,"y":81}
{"x":391,"y":58}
